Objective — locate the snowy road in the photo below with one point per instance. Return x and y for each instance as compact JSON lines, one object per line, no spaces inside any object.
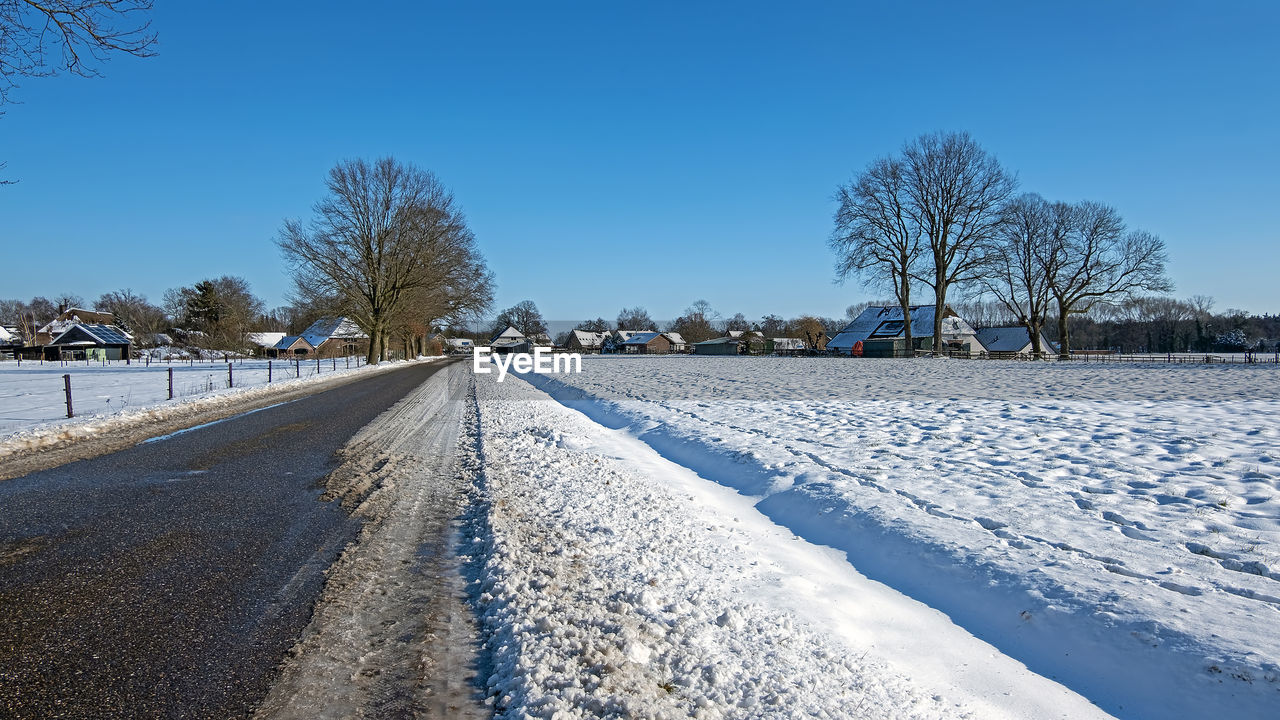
{"x":169,"y":579}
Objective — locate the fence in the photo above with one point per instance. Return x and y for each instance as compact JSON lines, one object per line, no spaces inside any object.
{"x":35,"y":391}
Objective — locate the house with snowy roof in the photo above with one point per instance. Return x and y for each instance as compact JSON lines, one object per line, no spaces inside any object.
{"x":458,"y":345}
{"x":69,"y":317}
{"x":586,"y":341}
{"x":336,"y":337}
{"x":262,"y":343}
{"x":678,"y":344}
{"x":1011,"y":340}
{"x":89,"y":341}
{"x":292,"y":346}
{"x":881,"y":331}
{"x":647,"y":343}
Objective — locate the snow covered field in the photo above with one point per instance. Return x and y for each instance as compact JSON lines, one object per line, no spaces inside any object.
{"x":615,"y":583}
{"x":1115,"y":528}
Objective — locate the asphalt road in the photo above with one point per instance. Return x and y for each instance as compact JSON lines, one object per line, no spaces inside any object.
{"x":169,"y":579}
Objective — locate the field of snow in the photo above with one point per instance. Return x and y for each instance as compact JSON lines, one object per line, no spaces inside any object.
{"x":1114,"y":527}
{"x":33,"y":401}
{"x":612,"y":582}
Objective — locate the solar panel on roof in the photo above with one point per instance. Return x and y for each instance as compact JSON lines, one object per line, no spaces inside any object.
{"x":108,"y":334}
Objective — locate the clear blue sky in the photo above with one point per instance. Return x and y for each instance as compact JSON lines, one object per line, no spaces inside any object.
{"x":611,"y":154}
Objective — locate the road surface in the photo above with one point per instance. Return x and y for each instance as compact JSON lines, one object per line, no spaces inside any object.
{"x":169,"y":579}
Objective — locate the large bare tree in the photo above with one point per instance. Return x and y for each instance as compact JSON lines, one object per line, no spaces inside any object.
{"x":388,"y":239}
{"x":42,"y":38}
{"x":875,"y":235}
{"x":1015,"y":274}
{"x":956,"y":192}
{"x":1099,"y":260}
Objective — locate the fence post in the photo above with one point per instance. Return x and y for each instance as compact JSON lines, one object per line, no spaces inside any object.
{"x":231,"y":378}
{"x":66,"y":381}
{"x":170,"y":383}
{"x":317,"y":364}
{"x":297,"y":368}
{"x":335,"y":363}
{"x":268,"y":372}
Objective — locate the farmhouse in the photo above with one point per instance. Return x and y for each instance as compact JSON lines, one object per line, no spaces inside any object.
{"x":264,"y":343}
{"x":458,"y":345}
{"x":336,"y":337}
{"x":89,"y":341}
{"x":678,"y":345}
{"x":1012,"y":340}
{"x":69,"y":317}
{"x":510,"y":340}
{"x":647,"y":343}
{"x":585,"y":341}
{"x":291,"y":345}
{"x":880,"y":329}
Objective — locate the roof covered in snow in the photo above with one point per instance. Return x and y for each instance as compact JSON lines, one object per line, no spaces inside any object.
{"x":641,"y":338}
{"x":287,"y":342}
{"x":509,"y":334}
{"x":265,"y":339}
{"x":586,"y":338}
{"x":459,"y":342}
{"x":332,"y":327}
{"x":675,"y":338}
{"x":886,"y":322}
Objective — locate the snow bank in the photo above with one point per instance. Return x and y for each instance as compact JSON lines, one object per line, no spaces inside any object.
{"x":614,"y":583}
{"x":1114,"y":527}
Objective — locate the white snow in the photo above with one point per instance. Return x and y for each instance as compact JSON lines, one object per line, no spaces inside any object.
{"x":1113,"y":527}
{"x":616,"y":583}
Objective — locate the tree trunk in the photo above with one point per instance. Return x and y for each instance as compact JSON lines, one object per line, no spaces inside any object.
{"x":904,"y":298}
{"x":939,"y":302}
{"x":1033,"y":331}
{"x":1064,"y":340}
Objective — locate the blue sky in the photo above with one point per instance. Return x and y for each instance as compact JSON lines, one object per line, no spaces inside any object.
{"x":612,"y":154}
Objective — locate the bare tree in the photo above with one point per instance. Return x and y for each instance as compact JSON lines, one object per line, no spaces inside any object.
{"x":696,"y":323}
{"x":955,"y":192}
{"x":636,"y":318}
{"x":737,"y":323}
{"x":1015,"y":274}
{"x":134,"y":314}
{"x":1099,"y":261}
{"x":598,"y":325}
{"x":524,"y":316}
{"x":40,"y":39}
{"x":875,"y":236}
{"x":386,"y":237}
{"x":67,"y":300}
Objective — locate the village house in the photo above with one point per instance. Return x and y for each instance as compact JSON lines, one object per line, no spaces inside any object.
{"x":69,"y":317}
{"x":336,"y":337}
{"x":90,"y":341}
{"x":292,"y":346}
{"x":678,"y":344}
{"x":647,"y":343}
{"x":510,"y":340}
{"x":879,"y":332}
{"x":458,"y":345}
{"x":263,"y":344}
{"x":585,"y":341}
{"x":786,"y":346}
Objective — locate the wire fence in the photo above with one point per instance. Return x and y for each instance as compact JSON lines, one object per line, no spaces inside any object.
{"x":34,"y":391}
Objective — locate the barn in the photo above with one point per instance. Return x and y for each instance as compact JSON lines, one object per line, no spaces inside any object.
{"x":881,"y":330}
